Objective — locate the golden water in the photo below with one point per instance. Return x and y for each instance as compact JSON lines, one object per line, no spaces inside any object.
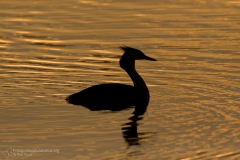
{"x":51,"y":49}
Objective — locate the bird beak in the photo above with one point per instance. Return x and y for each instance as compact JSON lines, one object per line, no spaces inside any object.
{"x":149,"y":58}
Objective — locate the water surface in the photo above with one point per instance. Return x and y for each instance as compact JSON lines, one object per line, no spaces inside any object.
{"x":51,"y":49}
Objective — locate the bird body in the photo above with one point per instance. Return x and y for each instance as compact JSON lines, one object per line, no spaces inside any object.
{"x":115,"y":96}
{"x":94,"y":97}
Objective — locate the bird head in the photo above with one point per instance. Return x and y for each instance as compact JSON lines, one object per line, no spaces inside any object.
{"x":129,"y":56}
{"x":135,"y":53}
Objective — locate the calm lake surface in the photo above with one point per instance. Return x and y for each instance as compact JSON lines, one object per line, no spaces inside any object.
{"x":52,"y":49}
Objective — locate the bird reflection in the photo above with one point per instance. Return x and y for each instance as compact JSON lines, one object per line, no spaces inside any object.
{"x":116,"y":96}
{"x":129,"y":130}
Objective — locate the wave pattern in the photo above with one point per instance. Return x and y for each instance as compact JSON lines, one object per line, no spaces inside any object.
{"x":51,"y":50}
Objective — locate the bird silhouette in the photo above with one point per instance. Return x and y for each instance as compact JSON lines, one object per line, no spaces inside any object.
{"x":116,"y":96}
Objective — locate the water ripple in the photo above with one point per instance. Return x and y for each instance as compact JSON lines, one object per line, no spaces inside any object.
{"x":50,"y":50}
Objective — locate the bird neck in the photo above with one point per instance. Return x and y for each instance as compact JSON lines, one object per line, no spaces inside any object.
{"x":136,"y":78}
{"x":140,"y":88}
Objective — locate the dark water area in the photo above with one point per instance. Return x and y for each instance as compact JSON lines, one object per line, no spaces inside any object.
{"x":52,"y":49}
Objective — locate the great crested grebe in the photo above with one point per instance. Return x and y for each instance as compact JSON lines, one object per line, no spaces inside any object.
{"x":115,"y":96}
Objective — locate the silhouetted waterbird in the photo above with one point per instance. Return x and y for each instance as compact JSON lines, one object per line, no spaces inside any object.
{"x":115,"y":96}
